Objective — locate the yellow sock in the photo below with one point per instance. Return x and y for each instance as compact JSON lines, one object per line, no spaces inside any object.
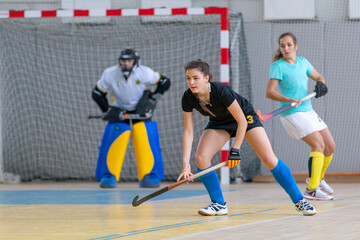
{"x":327,"y":161}
{"x":316,"y":162}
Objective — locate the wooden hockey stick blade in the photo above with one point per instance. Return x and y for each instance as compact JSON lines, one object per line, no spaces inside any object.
{"x":282,"y":109}
{"x":137,"y":202}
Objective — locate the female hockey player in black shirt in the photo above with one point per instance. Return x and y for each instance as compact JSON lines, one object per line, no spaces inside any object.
{"x":230,"y":115}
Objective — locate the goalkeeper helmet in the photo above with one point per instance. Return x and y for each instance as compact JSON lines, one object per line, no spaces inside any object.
{"x":130,"y":54}
{"x":127,"y":66}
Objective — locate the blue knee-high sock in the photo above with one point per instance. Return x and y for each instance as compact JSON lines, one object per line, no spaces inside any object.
{"x":284,"y":177}
{"x":212,"y":185}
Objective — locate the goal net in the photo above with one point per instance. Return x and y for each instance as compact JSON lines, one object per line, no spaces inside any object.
{"x":49,"y":66}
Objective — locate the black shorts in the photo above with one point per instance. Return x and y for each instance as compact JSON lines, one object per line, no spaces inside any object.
{"x":230,"y":125}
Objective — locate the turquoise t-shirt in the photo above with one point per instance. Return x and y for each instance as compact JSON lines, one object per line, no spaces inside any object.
{"x":293,"y":82}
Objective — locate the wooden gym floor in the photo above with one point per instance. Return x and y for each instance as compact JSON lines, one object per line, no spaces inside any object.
{"x":79,"y":210}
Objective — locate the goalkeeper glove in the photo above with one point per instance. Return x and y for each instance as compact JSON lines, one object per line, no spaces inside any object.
{"x":156,"y":96}
{"x":153,"y":100}
{"x":320,"y":89}
{"x":113,"y":114}
{"x":234,"y":157}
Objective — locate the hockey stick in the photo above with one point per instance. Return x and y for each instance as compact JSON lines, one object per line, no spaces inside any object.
{"x":137,"y":202}
{"x":125,"y":116}
{"x":282,"y":109}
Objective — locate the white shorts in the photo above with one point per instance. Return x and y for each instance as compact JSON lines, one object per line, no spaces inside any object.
{"x":301,"y":124}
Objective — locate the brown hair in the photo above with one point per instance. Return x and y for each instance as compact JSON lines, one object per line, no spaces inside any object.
{"x":201,"y":66}
{"x":278,"y":53}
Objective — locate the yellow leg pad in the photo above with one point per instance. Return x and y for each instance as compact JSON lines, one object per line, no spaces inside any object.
{"x":116,"y":154}
{"x":316,"y":162}
{"x":143,"y":154}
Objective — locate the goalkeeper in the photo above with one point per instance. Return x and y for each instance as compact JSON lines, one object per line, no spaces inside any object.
{"x":129,"y":81}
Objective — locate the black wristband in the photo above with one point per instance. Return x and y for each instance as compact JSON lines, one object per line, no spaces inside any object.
{"x":234,"y":154}
{"x":235,"y":151}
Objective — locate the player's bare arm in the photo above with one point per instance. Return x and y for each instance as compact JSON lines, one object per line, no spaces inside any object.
{"x":316,"y":76}
{"x":187,"y":144}
{"x":272,"y":94}
{"x":240,"y":118}
{"x":234,"y":157}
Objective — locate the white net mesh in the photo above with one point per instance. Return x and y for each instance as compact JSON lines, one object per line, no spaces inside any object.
{"x":48,"y":69}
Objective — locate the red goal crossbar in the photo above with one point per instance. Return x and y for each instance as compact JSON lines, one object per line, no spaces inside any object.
{"x":223,"y":12}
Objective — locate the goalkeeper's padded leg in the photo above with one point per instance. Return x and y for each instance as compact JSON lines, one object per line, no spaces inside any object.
{"x":148,"y":153}
{"x":316,"y":162}
{"x":112,"y":153}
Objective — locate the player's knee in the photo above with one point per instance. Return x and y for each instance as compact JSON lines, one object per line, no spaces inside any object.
{"x":320,"y":146}
{"x":332,"y":146}
{"x":329,"y":149}
{"x":202,"y":161}
{"x":269,"y":162}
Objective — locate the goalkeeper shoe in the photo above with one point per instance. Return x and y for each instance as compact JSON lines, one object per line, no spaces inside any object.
{"x":324,"y":187}
{"x":305,"y":207}
{"x":150,"y":181}
{"x":214,"y":209}
{"x":317,"y":194}
{"x":108,"y":181}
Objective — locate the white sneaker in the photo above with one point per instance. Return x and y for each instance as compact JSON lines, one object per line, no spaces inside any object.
{"x":324,"y":187}
{"x":214,"y":209}
{"x":317,"y":194}
{"x":305,"y":207}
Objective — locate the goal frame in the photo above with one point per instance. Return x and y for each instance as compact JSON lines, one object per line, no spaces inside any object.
{"x":224,"y":53}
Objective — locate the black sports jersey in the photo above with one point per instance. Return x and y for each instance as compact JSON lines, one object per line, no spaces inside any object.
{"x":221,"y":97}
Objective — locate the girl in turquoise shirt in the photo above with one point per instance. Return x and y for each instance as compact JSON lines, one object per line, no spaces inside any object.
{"x":291,"y":74}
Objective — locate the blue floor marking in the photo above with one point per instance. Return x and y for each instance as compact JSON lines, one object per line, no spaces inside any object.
{"x":147,"y":230}
{"x":87,"y":197}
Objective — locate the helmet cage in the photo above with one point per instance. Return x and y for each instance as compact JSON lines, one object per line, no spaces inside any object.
{"x":130,"y":54}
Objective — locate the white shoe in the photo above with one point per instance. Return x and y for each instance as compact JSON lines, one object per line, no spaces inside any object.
{"x":317,"y":194}
{"x":305,"y":207}
{"x":324,"y":187}
{"x":214,"y":209}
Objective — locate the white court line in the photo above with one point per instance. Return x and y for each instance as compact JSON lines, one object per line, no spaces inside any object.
{"x":248,"y":224}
